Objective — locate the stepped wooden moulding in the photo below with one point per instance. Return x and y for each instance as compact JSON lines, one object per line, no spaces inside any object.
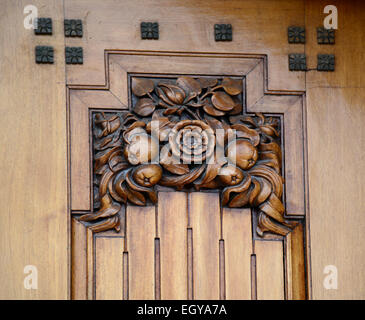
{"x":171,"y":123}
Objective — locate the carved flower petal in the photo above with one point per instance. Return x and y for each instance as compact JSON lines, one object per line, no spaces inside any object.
{"x":222,"y":101}
{"x":174,"y":93}
{"x":190,"y":85}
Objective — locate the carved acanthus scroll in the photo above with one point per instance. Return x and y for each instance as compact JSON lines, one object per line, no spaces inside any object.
{"x":187,"y":133}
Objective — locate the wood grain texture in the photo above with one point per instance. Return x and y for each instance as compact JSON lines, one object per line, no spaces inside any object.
{"x":80,"y":102}
{"x":78,"y":261}
{"x":34,"y":215}
{"x":109,"y":268}
{"x":335,"y":113}
{"x":270,"y":270}
{"x":295,"y":265}
{"x":188,"y":27}
{"x":336,"y":179}
{"x":237,"y":235}
{"x":90,"y":264}
{"x":141,"y":232}
{"x":292,"y":108}
{"x":172,"y":231}
{"x":204,"y":217}
{"x":348,"y":48}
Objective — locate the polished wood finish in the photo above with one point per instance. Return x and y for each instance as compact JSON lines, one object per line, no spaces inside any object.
{"x":270,"y":270}
{"x":35,"y":220}
{"x":123,"y":176}
{"x":237,"y":235}
{"x":172,"y":231}
{"x":34,"y":99}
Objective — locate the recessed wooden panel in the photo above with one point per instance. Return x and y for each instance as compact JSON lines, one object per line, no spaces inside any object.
{"x":80,"y":103}
{"x":78,"y":259}
{"x":109,"y":268}
{"x":141,"y":231}
{"x":291,"y":106}
{"x":237,"y":235}
{"x":270,"y":270}
{"x":204,"y":219}
{"x":172,"y":231}
{"x":295,"y":264}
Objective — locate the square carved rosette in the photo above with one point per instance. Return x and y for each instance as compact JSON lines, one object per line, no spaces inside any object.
{"x":188,"y":133}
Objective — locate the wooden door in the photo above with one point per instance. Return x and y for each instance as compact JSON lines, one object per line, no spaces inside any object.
{"x":191,"y":232}
{"x":133,"y":83}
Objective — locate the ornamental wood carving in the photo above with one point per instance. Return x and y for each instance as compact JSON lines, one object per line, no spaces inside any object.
{"x":187,"y":133}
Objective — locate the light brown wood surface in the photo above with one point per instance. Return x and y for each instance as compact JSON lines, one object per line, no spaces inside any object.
{"x":237,"y":235}
{"x":260,"y":27}
{"x":34,"y":218}
{"x":270,"y":272}
{"x":204,"y":219}
{"x":109,"y":268}
{"x":172,"y":231}
{"x":336,"y":137}
{"x":141,"y":231}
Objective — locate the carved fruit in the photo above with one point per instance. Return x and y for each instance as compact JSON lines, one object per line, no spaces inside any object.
{"x":148,"y":175}
{"x":230,"y":175}
{"x":243,"y":153}
{"x":141,"y":149}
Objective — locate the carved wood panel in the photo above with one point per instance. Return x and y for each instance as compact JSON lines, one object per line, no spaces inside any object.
{"x":188,"y":152}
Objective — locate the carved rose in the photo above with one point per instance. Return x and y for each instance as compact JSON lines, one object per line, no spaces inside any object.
{"x":192,"y":141}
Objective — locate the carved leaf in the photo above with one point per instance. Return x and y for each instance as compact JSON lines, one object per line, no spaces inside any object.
{"x":243,"y":186}
{"x":141,"y":87}
{"x":144,"y":107}
{"x":237,"y":109}
{"x":208,"y":108}
{"x":232,"y":86}
{"x":269,"y":130}
{"x":135,"y":197}
{"x":222,"y":101}
{"x":245,"y":132}
{"x":207,"y":82}
{"x":178,"y":168}
{"x":108,"y":209}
